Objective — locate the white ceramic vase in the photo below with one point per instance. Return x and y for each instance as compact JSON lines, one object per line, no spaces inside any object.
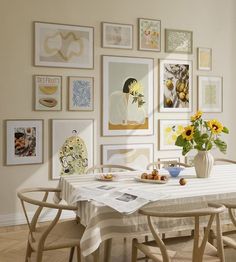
{"x":203,"y":163}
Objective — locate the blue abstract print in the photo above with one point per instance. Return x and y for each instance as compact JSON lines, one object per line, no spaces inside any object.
{"x":81,"y":93}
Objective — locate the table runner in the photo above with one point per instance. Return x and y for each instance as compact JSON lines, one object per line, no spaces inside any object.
{"x":103,"y":222}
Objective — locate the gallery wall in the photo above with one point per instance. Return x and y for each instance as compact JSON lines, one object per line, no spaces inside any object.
{"x":212,"y":23}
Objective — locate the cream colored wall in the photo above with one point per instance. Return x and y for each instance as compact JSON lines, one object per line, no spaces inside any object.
{"x":211,"y":21}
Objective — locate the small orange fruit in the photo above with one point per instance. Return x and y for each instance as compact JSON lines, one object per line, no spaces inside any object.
{"x":182,"y":181}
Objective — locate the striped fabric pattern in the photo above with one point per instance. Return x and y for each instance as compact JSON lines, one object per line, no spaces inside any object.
{"x":103,"y":222}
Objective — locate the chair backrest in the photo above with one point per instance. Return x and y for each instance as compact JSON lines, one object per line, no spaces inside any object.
{"x":224,"y":160}
{"x":157,"y":164}
{"x":108,"y":168}
{"x":212,"y":211}
{"x":30,"y":196}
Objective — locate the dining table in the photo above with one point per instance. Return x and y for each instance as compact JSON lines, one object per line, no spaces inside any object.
{"x":107,"y":211}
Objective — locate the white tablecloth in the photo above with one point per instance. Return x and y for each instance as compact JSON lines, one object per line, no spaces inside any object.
{"x":103,"y":222}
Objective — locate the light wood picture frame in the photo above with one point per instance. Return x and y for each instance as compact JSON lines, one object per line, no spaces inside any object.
{"x":149,"y":34}
{"x":59,"y":45}
{"x":137,"y":156}
{"x":81,"y":93}
{"x":78,"y":132}
{"x":204,"y":58}
{"x":116,"y":35}
{"x":178,"y":41}
{"x":175,"y":81}
{"x":24,"y":141}
{"x":210,"y":94}
{"x":48,"y":93}
{"x":127,"y":96}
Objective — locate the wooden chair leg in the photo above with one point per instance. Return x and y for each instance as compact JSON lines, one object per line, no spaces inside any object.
{"x":78,"y":254}
{"x":39,"y":256}
{"x":107,"y":250}
{"x":71,"y":254}
{"x":96,"y":255}
{"x":134,"y":250}
{"x":28,"y":252}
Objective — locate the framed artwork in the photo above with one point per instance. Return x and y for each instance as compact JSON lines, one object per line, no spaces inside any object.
{"x":81,"y":93}
{"x":137,"y":156}
{"x":149,"y":34}
{"x":48,"y":92}
{"x":168,"y":133}
{"x":127,"y":96}
{"x":204,"y":58}
{"x":58,"y":45}
{"x":210,"y":96}
{"x":117,"y":35}
{"x":175,"y":85}
{"x":24,"y":144}
{"x":72,"y":147}
{"x":178,"y":41}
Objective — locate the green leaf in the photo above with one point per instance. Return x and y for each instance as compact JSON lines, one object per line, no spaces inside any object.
{"x":208,"y":146}
{"x":187,"y":147}
{"x":204,"y":136}
{"x":225,"y":130}
{"x":180,"y":141}
{"x":221,"y":145}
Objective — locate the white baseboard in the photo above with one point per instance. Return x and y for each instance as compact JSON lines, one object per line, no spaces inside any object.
{"x":19,"y":218}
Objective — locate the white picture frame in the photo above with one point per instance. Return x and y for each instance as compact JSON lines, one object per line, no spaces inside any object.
{"x":204,"y":58}
{"x":131,"y":118}
{"x":168,"y":132}
{"x":81,"y":93}
{"x":175,"y":86}
{"x":48,"y":93}
{"x":137,"y":156}
{"x":24,"y":141}
{"x":58,"y":45}
{"x":210,"y":94}
{"x":62,"y":129}
{"x":116,"y":35}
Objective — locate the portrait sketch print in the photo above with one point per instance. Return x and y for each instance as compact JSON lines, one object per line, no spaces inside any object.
{"x":60,"y":45}
{"x":175,"y":86}
{"x":127,"y":96}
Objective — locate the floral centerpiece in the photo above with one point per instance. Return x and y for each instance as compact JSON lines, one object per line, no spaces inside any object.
{"x":202,"y":135}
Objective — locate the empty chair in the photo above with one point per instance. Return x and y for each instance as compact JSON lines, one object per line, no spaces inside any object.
{"x":182,"y":249}
{"x":54,"y":235}
{"x":108,"y":168}
{"x":157,"y":164}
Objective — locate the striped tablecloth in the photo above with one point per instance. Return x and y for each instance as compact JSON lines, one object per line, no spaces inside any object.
{"x":103,"y":222}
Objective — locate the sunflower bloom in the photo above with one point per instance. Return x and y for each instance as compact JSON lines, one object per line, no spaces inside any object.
{"x":188,"y":133}
{"x":196,"y":116}
{"x":215,"y":126}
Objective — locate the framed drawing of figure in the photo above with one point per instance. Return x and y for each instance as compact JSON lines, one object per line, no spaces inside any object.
{"x":127,"y":96}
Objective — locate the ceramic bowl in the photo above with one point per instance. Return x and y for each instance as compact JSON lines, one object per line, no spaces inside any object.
{"x":174,"y":171}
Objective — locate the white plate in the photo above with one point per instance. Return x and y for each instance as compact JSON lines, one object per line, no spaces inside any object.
{"x":102,"y":177}
{"x":151,"y":180}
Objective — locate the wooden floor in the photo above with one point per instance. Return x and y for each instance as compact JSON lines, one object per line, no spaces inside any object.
{"x":13,"y":244}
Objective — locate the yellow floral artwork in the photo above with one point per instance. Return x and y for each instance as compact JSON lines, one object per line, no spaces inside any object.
{"x":169,"y":131}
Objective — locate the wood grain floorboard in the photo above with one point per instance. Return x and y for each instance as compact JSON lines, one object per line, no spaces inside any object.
{"x":13,"y":245}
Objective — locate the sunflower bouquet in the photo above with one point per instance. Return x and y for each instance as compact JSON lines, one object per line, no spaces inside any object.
{"x":202,"y":135}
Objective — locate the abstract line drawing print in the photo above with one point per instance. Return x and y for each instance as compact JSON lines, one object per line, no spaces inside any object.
{"x":63,"y":45}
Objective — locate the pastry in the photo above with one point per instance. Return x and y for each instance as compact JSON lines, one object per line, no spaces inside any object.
{"x":48,"y":102}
